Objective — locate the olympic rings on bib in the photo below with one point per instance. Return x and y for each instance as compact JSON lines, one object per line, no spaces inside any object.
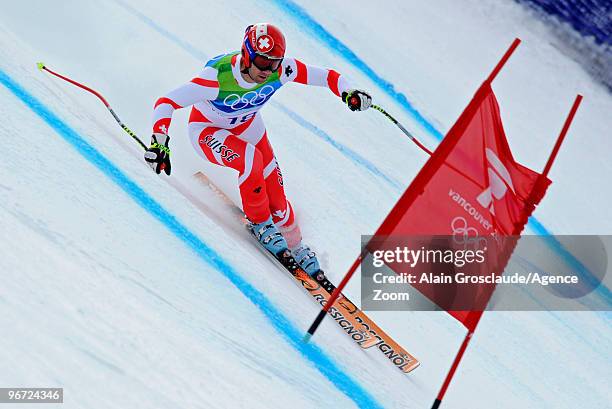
{"x":249,"y":99}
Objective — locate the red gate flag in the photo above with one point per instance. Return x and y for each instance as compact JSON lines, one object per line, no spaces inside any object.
{"x":471,"y":186}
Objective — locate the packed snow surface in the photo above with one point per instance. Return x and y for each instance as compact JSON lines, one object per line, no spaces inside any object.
{"x":126,"y":294}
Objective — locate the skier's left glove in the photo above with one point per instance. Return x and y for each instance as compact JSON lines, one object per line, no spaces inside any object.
{"x":357,"y":100}
{"x":158,"y":154}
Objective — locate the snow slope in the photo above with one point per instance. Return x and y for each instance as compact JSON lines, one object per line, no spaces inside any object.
{"x":114,"y":282}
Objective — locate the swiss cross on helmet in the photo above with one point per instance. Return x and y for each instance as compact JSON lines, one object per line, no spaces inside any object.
{"x":265,"y":40}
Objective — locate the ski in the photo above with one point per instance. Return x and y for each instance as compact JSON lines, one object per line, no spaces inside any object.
{"x":350,"y":318}
{"x":352,"y":321}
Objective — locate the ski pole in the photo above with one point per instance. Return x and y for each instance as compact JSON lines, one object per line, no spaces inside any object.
{"x":332,"y":299}
{"x":42,"y":67}
{"x":401,"y":127}
{"x":419,"y":144}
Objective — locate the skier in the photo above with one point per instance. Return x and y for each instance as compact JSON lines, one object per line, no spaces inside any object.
{"x":225,"y":128}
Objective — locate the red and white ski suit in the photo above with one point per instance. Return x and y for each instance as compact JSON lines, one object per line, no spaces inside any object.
{"x":226,"y":128}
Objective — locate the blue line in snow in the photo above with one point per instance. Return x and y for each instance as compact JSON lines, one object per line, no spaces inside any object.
{"x":340,"y":147}
{"x":281,"y":323}
{"x":306,"y":21}
{"x":586,"y":275}
{"x":336,"y":45}
{"x":183,"y":44}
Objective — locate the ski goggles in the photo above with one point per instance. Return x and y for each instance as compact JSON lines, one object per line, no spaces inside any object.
{"x":264,"y":63}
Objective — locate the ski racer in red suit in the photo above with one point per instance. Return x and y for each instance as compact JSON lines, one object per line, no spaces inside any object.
{"x":225,"y":128}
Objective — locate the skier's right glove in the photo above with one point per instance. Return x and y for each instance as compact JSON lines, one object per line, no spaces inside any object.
{"x":357,"y":100}
{"x":158,"y":154}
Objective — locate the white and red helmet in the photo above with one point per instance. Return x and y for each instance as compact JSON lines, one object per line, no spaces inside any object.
{"x":265,"y":40}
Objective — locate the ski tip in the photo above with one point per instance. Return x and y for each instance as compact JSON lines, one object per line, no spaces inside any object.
{"x":40,"y":65}
{"x":412,"y":367}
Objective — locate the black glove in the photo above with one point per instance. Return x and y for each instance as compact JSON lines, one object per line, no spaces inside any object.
{"x":158,"y":154}
{"x":357,"y":100}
